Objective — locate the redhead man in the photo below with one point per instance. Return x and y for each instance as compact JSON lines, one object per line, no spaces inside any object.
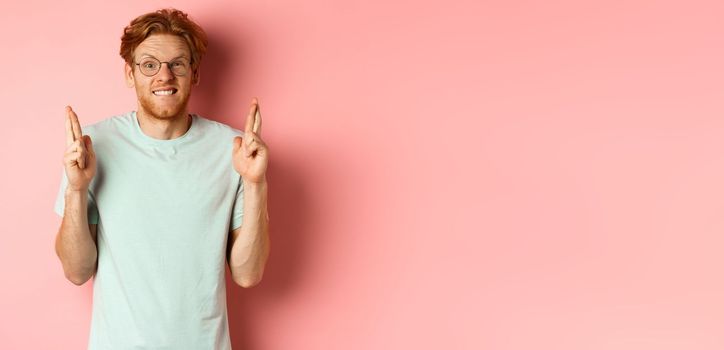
{"x":155,"y":201}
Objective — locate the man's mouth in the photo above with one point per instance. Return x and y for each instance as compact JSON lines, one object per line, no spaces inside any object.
{"x":165,"y":92}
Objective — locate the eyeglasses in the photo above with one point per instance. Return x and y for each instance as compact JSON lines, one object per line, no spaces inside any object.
{"x":149,"y":66}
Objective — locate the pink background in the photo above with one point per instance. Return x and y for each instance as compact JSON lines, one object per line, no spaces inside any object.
{"x":444,"y":175}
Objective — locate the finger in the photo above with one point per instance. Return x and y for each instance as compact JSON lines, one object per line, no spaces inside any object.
{"x":260,"y":149}
{"x":83,"y":153}
{"x":249,"y":150}
{"x":237,"y":144}
{"x":76,"y":155}
{"x":77,"y":133}
{"x":257,"y":120}
{"x":76,"y":146}
{"x":249,"y":138}
{"x":89,"y":145}
{"x":257,"y":146}
{"x":68,"y":127}
{"x":71,"y":159}
{"x":248,"y":127}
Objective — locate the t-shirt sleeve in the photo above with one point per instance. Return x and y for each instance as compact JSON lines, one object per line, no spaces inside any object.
{"x":60,"y":201}
{"x":237,"y":213}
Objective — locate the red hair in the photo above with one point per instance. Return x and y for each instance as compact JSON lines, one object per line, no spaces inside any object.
{"x":164,"y":21}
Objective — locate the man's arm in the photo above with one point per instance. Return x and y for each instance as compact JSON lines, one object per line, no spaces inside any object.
{"x":249,"y":244}
{"x":76,"y":241}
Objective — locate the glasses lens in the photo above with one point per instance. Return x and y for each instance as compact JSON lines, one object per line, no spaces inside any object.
{"x":179,"y":67}
{"x":149,"y":66}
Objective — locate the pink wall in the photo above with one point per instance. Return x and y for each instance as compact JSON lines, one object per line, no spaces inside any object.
{"x":444,"y":174}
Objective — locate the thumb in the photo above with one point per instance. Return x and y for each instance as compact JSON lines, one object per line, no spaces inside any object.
{"x":89,"y":144}
{"x":237,"y":143}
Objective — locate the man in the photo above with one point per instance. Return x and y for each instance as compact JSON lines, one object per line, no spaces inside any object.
{"x":153,"y":200}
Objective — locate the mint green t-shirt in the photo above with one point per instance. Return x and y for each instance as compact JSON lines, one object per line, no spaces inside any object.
{"x":164,"y":210}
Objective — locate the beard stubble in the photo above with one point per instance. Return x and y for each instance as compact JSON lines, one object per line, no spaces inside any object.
{"x":155,"y":111}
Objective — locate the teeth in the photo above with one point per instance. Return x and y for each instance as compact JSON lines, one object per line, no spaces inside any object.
{"x":163,"y":92}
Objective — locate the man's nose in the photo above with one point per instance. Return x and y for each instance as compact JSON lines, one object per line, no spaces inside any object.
{"x":164,"y":72}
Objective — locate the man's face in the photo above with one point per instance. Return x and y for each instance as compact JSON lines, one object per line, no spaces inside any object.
{"x":151,"y":100}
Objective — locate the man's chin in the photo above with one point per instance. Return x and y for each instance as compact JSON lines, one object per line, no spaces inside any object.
{"x":165,"y":112}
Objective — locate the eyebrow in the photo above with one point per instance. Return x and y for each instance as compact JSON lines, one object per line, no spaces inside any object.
{"x":183,"y":55}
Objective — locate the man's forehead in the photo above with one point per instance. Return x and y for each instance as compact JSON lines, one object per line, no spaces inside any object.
{"x":169,"y":45}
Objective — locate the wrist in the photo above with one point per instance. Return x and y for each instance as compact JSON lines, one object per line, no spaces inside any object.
{"x":254,"y":184}
{"x":72,"y":191}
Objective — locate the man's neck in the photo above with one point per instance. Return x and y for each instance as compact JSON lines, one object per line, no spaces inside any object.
{"x":163,"y":129}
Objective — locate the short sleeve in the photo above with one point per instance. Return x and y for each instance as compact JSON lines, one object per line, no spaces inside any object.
{"x":237,"y":213}
{"x":60,"y":201}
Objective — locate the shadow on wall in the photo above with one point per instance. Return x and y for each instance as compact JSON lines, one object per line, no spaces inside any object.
{"x":207,"y":96}
{"x":288,"y":228}
{"x":288,"y":203}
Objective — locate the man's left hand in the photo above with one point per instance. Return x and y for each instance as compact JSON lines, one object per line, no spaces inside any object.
{"x":250,"y":154}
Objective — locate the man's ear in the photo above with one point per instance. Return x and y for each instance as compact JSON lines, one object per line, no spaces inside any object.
{"x":130,"y":80}
{"x":196,"y":78}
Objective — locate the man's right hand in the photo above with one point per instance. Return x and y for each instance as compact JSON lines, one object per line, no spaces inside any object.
{"x":79,"y":159}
